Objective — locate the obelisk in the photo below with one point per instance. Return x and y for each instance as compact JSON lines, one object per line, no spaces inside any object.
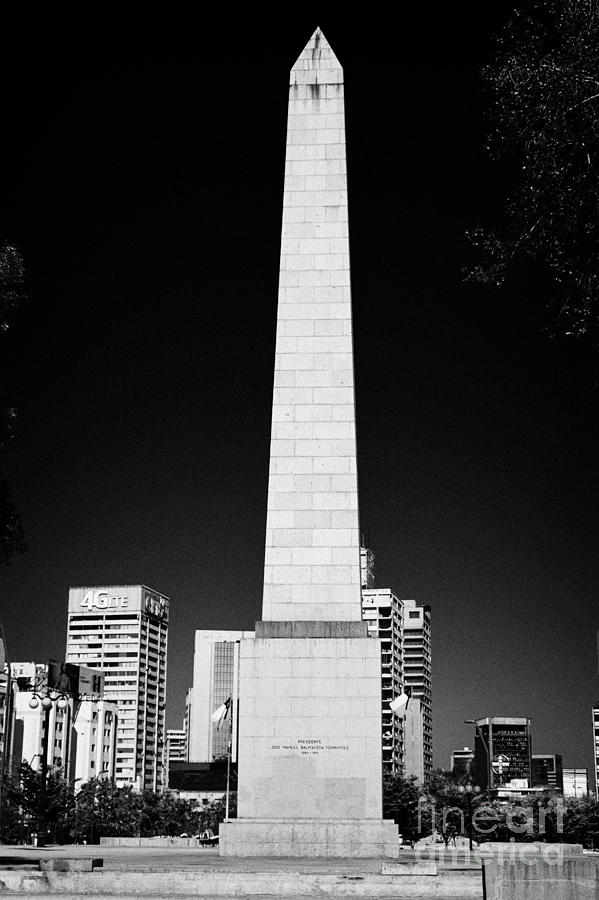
{"x":310,"y":757}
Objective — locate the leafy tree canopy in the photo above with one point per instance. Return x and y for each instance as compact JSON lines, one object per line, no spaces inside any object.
{"x":544,"y":115}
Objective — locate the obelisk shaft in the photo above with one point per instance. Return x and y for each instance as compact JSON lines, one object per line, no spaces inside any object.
{"x":312,"y":559}
{"x":310,"y":759}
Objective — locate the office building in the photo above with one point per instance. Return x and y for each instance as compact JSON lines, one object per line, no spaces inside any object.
{"x":576,"y":782}
{"x":416,"y":654}
{"x":506,"y":742}
{"x":122,"y":630}
{"x":201,"y":782}
{"x":547,"y":771}
{"x":215,"y":680}
{"x":460,"y":761}
{"x":383,"y":613}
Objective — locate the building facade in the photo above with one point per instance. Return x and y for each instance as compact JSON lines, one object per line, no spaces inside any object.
{"x":413,"y":741}
{"x":417,"y":670}
{"x":548,"y":771}
{"x":176,"y":745}
{"x":30,"y":723}
{"x":81,"y":739}
{"x":596,"y":745}
{"x":502,"y":751}
{"x":95,"y":725}
{"x":383,"y":613}
{"x":461,"y":761}
{"x":6,"y":713}
{"x":576,"y":782}
{"x":215,"y":680}
{"x":122,"y":630}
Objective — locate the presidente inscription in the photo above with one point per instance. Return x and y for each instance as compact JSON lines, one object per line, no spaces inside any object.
{"x":309,"y":746}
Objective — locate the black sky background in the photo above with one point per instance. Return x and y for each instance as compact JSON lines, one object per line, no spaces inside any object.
{"x":141,"y":173}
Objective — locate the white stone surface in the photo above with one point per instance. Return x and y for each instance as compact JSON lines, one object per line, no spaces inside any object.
{"x":309,"y":728}
{"x":310,"y":838}
{"x":313,"y":473}
{"x":310,"y":759}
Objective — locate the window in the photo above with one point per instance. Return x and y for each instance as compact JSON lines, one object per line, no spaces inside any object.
{"x":414,"y":615}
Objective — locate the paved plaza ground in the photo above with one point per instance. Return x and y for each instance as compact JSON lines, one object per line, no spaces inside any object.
{"x":201,"y":872}
{"x":158,"y":859}
{"x":162,"y":873}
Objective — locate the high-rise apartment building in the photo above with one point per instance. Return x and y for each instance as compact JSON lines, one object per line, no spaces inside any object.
{"x":407,"y":737}
{"x":176,"y":745}
{"x":548,"y":771}
{"x":502,"y":751}
{"x":383,"y":613}
{"x":215,"y":680}
{"x":122,"y":630}
{"x":416,"y":653}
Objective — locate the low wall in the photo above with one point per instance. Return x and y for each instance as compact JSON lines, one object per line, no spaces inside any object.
{"x":194,"y":883}
{"x":149,"y":842}
{"x":536,"y":879}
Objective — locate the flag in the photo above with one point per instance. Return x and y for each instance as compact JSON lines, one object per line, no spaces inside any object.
{"x":219,"y":715}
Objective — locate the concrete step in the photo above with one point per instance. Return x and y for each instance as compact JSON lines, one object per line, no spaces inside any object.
{"x":103,"y":884}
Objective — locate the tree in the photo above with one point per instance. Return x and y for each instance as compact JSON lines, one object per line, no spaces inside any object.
{"x":102,"y":808}
{"x":402,"y":803}
{"x":581,"y":822}
{"x":167,"y":814}
{"x":544,"y":115}
{"x":47,"y":814}
{"x":212,"y":814}
{"x":11,"y":293}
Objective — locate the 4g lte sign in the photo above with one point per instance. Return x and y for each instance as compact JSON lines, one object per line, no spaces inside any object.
{"x":103,"y":600}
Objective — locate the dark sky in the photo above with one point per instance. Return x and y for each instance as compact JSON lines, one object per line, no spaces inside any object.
{"x":141,"y":169}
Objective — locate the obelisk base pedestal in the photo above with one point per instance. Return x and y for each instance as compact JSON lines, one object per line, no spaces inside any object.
{"x":310,"y":762}
{"x":366,"y":838}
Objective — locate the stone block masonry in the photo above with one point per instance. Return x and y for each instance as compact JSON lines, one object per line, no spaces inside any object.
{"x":310,"y":766}
{"x":312,"y":531}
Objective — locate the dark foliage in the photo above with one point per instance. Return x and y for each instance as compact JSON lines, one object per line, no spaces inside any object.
{"x":544,"y":116}
{"x":11,"y":293}
{"x":100,"y":809}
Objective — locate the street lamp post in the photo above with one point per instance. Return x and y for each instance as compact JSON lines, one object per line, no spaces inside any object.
{"x":47,"y":701}
{"x":467,"y":790}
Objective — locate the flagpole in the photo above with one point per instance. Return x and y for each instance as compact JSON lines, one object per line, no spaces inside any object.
{"x":228,"y":778}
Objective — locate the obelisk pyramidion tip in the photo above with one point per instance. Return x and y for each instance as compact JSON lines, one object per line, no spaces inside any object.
{"x":317,"y":54}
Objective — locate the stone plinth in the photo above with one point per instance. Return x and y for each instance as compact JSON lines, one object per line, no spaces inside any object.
{"x":310,"y":768}
{"x":365,"y":838}
{"x":309,"y":729}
